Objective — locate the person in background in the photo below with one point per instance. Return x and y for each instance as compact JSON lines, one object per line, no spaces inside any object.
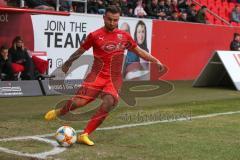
{"x":92,"y":7}
{"x":168,"y":9}
{"x":3,"y":3}
{"x":101,"y":6}
{"x":5,"y":65}
{"x":139,"y":10}
{"x":174,"y":16}
{"x":20,"y":56}
{"x":152,"y":9}
{"x":39,"y":4}
{"x":183,"y":5}
{"x":191,"y":13}
{"x":235,"y":43}
{"x":183,"y":17}
{"x":235,"y":14}
{"x":174,"y":6}
{"x":162,"y":10}
{"x":201,"y":15}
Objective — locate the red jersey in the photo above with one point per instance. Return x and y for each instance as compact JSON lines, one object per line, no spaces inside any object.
{"x":108,"y":50}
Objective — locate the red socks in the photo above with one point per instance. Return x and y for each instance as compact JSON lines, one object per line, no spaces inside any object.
{"x":96,"y":120}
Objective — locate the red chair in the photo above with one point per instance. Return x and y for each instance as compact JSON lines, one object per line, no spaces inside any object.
{"x":217,"y":21}
{"x":40,"y":61}
{"x":234,"y":23}
{"x":17,"y":69}
{"x":40,"y":64}
{"x":225,"y":4}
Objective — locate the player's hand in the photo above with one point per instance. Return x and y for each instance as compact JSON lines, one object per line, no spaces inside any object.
{"x":66,"y":66}
{"x":161,"y":67}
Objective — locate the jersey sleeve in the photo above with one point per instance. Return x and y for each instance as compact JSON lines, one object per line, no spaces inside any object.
{"x":132,"y":43}
{"x":88,"y":42}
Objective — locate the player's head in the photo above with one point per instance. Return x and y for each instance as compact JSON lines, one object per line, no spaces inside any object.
{"x":111,"y":17}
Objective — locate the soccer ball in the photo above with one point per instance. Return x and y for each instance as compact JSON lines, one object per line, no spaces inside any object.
{"x":66,"y":136}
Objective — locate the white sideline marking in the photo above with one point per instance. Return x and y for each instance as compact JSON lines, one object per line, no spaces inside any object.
{"x":57,"y":150}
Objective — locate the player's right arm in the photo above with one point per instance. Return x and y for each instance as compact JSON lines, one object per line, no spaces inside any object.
{"x":72,"y":58}
{"x":85,"y":45}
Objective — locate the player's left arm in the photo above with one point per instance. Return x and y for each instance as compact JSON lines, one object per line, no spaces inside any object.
{"x":146,"y":56}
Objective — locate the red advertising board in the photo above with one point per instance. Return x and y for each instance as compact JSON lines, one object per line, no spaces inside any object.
{"x":186,"y":47}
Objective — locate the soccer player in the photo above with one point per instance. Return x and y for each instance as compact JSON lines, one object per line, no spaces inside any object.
{"x":105,"y":78}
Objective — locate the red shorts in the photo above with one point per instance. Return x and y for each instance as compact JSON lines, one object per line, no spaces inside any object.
{"x":100,"y":87}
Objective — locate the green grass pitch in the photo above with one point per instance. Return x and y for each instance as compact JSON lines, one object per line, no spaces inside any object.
{"x":210,"y":138}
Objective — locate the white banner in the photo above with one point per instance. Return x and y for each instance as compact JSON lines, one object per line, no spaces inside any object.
{"x":60,"y":36}
{"x":223,"y":68}
{"x":231,"y":61}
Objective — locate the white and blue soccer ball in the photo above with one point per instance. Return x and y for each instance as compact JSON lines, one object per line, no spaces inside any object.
{"x":66,"y":136}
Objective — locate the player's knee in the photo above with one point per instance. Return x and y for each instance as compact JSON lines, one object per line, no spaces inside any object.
{"x":79,"y":101}
{"x":108,"y":102}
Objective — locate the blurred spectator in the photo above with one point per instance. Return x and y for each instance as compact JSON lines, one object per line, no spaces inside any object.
{"x":78,"y":7}
{"x":92,"y":7}
{"x":235,"y":43}
{"x":192,"y":12}
{"x":3,"y":3}
{"x":65,"y":5}
{"x":20,"y":56}
{"x":124,"y":7}
{"x":39,"y":4}
{"x":139,"y":10}
{"x":129,"y":12}
{"x":183,"y":17}
{"x":101,"y":6}
{"x":174,"y":16}
{"x":174,"y":6}
{"x":5,"y":65}
{"x":235,"y":14}
{"x":201,"y":15}
{"x":152,"y":9}
{"x":183,"y":5}
{"x":168,"y":9}
{"x":162,"y":10}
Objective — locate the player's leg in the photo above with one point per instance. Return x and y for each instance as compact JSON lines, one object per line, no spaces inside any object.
{"x":109,"y":102}
{"x":69,"y":105}
{"x":87,"y":93}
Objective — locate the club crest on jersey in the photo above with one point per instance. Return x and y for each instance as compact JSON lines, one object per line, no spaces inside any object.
{"x":120,"y":36}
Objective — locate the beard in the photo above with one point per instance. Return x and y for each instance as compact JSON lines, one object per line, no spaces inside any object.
{"x":110,"y":28}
